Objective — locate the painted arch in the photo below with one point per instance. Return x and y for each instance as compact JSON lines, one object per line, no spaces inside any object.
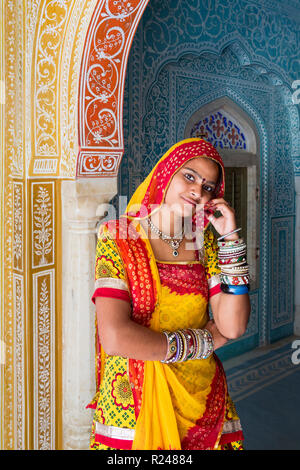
{"x":78,"y":71}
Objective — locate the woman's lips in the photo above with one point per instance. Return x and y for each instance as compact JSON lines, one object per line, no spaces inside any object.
{"x":189,"y":201}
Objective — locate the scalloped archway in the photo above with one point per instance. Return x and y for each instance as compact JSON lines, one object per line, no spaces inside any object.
{"x":77,"y":77}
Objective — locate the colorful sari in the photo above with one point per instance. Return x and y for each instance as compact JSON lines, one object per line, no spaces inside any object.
{"x":148,"y":404}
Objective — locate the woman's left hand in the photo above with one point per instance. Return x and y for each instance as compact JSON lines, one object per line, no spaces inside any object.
{"x":226,"y":223}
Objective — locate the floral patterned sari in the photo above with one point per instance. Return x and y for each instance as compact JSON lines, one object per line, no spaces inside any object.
{"x":149,"y":404}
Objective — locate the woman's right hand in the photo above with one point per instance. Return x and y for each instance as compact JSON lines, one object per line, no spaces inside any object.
{"x":219,"y":340}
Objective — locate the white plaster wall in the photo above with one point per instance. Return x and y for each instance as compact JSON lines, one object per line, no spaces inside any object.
{"x":80,"y":200}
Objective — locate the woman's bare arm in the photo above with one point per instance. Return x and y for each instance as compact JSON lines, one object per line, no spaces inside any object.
{"x":120,"y":336}
{"x":231,"y":313}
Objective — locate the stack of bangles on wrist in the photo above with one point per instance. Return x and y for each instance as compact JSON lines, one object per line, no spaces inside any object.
{"x":189,"y":344}
{"x":233,"y":264}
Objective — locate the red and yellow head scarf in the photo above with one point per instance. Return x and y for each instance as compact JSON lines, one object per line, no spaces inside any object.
{"x":150,"y":194}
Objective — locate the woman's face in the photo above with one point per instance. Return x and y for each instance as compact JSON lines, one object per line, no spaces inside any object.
{"x":194,"y":183}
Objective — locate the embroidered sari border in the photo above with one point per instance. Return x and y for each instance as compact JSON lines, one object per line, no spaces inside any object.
{"x":119,"y":444}
{"x":111,"y":287}
{"x":112,"y":282}
{"x":113,"y":432}
{"x":231,"y":426}
{"x":213,"y":281}
{"x":232,"y":431}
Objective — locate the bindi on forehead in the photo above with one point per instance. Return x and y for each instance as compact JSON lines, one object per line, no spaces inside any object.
{"x":201,"y":177}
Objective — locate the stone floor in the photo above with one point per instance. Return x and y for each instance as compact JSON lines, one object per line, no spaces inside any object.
{"x":265,"y":387}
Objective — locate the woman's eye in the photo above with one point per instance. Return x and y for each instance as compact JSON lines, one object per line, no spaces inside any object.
{"x":208,"y":188}
{"x":189,"y":176}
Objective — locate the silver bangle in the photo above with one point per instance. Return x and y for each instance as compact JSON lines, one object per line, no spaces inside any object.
{"x":200,"y":345}
{"x":184,"y":346}
{"x":230,"y":233}
{"x":209,"y":344}
{"x":170,"y":336}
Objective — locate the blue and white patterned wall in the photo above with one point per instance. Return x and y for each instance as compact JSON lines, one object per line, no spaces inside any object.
{"x":187,"y":53}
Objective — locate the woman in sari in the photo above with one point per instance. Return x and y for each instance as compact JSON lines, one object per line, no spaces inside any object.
{"x":160,"y":384}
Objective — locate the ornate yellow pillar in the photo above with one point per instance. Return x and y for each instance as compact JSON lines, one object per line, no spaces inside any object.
{"x":2,"y":102}
{"x":14,"y":238}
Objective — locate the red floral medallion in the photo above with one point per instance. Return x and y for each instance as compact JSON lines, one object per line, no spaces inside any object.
{"x":121,"y":391}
